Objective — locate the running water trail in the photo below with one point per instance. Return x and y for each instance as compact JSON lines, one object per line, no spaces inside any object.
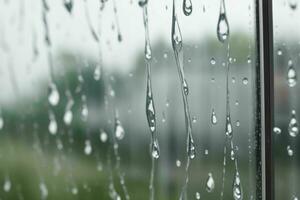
{"x":88,"y":19}
{"x":177,"y":45}
{"x":150,"y":108}
{"x":117,"y":21}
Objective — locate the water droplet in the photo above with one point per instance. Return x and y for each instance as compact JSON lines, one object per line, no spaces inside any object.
{"x":165,"y":55}
{"x":213,"y":117}
{"x":194,"y":119}
{"x":277,"y":130}
{"x":1,"y":122}
{"x":289,"y":150}
{"x":191,"y":148}
{"x":178,"y":163}
{"x":233,"y":80}
{"x":293,"y":4}
{"x":119,"y":130}
{"x":7,"y":184}
{"x":237,"y":123}
{"x":245,"y":81}
{"x":84,"y":109}
{"x":74,"y":190}
{"x":294,"y":198}
{"x":212,"y":61}
{"x":97,"y":73}
{"x":228,"y":128}
{"x":222,"y":27}
{"x":68,"y":116}
{"x":150,"y":109}
{"x":68,"y":5}
{"x":53,"y":97}
{"x":103,"y":136}
{"x":232,"y":154}
{"x":279,"y":52}
{"x":185,"y":87}
{"x":293,"y":125}
{"x":206,"y":151}
{"x":210,"y":183}
{"x":155,"y":149}
{"x":176,"y":33}
{"x":291,"y":74}
{"x":43,"y":190}
{"x":249,"y":60}
{"x":197,"y":195}
{"x":52,"y":127}
{"x":87,"y":147}
{"x":237,"y":103}
{"x":237,"y":188}
{"x":187,"y":7}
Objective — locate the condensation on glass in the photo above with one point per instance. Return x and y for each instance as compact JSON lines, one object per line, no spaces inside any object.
{"x":132,"y":99}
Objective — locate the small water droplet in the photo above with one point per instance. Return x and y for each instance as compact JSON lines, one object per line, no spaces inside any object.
{"x":43,"y":190}
{"x":289,"y":150}
{"x":74,"y":190}
{"x":222,"y":27}
{"x":178,"y":163}
{"x":291,"y":74}
{"x":84,"y":109}
{"x":194,"y":119}
{"x":293,"y":125}
{"x":53,"y":97}
{"x":228,"y":128}
{"x":249,"y":60}
{"x":294,"y":198}
{"x":197,"y":195}
{"x":293,"y":4}
{"x":97,"y":73}
{"x":237,"y":187}
{"x":237,"y":123}
{"x":119,"y":130}
{"x":279,"y":52}
{"x":245,"y":81}
{"x":68,"y":5}
{"x":212,"y":61}
{"x":103,"y":136}
{"x":7,"y":184}
{"x":88,"y":147}
{"x":52,"y":127}
{"x":187,"y":7}
{"x":165,"y":55}
{"x":1,"y":122}
{"x":277,"y":130}
{"x":148,"y":52}
{"x":155,"y":149}
{"x":210,"y":183}
{"x":185,"y":87}
{"x":233,"y":80}
{"x":68,"y":116}
{"x":206,"y":152}
{"x":191,"y":148}
{"x":213,"y":117}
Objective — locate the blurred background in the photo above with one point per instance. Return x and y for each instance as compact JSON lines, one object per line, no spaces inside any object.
{"x":96,"y":49}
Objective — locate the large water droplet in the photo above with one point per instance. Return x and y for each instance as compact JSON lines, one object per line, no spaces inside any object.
{"x":291,"y":74}
{"x":178,"y":163}
{"x":176,"y":33}
{"x":210,"y":183}
{"x":103,"y":136}
{"x":53,"y":96}
{"x":237,"y":187}
{"x":293,"y":125}
{"x":68,"y":116}
{"x":187,"y":7}
{"x":213,"y":117}
{"x":228,"y":128}
{"x":222,"y":27}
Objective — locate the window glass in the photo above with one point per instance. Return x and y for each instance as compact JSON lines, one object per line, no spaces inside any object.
{"x":130,"y":100}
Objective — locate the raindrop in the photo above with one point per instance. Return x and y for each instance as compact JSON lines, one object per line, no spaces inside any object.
{"x":155,"y":149}
{"x":291,"y":74}
{"x":210,"y":183}
{"x":233,"y":80}
{"x":187,"y":7}
{"x":176,"y":33}
{"x":148,"y":52}
{"x":84,"y":109}
{"x":293,"y":125}
{"x":194,"y":119}
{"x":228,"y":128}
{"x":279,"y":52}
{"x":237,"y":123}
{"x":53,"y":97}
{"x":232,"y":154}
{"x":206,"y":151}
{"x":178,"y":163}
{"x":185,"y":87}
{"x":74,"y":190}
{"x":191,"y":148}
{"x":237,"y":188}
{"x":52,"y":127}
{"x":293,"y":4}
{"x":212,"y":61}
{"x":249,"y":60}
{"x":103,"y":136}
{"x":213,"y":117}
{"x":1,"y":122}
{"x":97,"y":73}
{"x":277,"y":130}
{"x":43,"y":190}
{"x":68,"y":5}
{"x":7,"y":184}
{"x":294,"y":198}
{"x":222,"y":27}
{"x":119,"y":130}
{"x":289,"y":150}
{"x":245,"y":81}
{"x":197,"y":195}
{"x":68,"y":116}
{"x":87,"y":147}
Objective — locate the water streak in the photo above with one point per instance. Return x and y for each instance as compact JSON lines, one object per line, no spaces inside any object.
{"x":177,"y":45}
